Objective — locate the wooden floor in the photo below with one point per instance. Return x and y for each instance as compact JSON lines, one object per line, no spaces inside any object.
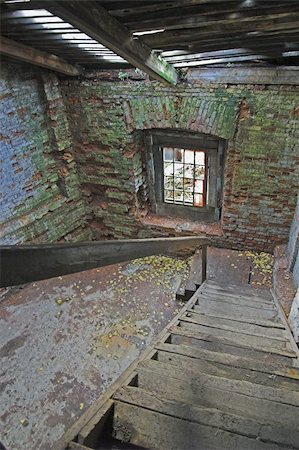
{"x":223,"y":375}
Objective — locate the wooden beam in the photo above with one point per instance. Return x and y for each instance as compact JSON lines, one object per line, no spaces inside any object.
{"x":30,"y":55}
{"x":224,"y":28}
{"x":97,"y":23}
{"x":26,"y":263}
{"x":197,"y":16}
{"x":246,"y":75}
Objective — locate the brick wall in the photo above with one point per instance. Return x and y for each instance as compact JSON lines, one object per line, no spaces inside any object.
{"x":261,"y":173}
{"x":40,"y":196}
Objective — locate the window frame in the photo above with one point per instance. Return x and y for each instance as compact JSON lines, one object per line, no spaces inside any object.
{"x":214,"y":147}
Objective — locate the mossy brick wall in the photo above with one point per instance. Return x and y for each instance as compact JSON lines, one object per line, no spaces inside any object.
{"x":40,"y":196}
{"x":261,"y":173}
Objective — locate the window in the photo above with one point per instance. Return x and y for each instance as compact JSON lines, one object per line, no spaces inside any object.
{"x":185,"y":174}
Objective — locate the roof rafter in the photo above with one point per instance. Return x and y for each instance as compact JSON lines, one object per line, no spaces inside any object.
{"x":28,"y":54}
{"x":97,"y":23}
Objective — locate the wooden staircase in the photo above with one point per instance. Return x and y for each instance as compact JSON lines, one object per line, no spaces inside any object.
{"x":223,"y":375}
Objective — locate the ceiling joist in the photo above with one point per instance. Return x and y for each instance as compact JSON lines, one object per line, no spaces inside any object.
{"x":97,"y":23}
{"x":38,"y":58}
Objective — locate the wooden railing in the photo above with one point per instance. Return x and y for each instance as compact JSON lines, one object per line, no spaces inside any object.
{"x":27,"y":263}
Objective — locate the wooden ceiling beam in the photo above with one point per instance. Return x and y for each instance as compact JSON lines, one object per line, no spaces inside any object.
{"x":97,"y":23}
{"x":225,"y":28}
{"x":36,"y":57}
{"x":197,"y":17}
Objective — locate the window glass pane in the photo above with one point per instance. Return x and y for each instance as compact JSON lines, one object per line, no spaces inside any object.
{"x":178,"y":196}
{"x":178,"y":155}
{"x":200,"y":158}
{"x":168,"y":168}
{"x":178,"y":169}
{"x":179,"y":183}
{"x":198,"y":200}
{"x":200,"y":172}
{"x":188,"y":198}
{"x":168,"y":182}
{"x":189,"y":156}
{"x":188,"y":184}
{"x":189,"y":171}
{"x":168,"y":154}
{"x":198,"y":186}
{"x":168,"y":196}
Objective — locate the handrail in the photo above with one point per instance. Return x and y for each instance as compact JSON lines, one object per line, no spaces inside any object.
{"x":21,"y":264}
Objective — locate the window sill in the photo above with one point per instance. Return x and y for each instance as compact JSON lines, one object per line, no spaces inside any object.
{"x":182,"y":225}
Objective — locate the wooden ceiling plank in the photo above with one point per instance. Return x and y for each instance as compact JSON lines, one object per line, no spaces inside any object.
{"x":141,"y":8}
{"x":97,"y":23}
{"x":36,"y":57}
{"x":225,"y":29}
{"x":197,"y":17}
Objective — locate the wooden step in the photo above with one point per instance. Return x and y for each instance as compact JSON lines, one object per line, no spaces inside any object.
{"x":242,"y":289}
{"x":236,"y":300}
{"x":151,"y":429}
{"x":208,"y":416}
{"x":236,"y":325}
{"x":277,"y":371}
{"x":227,"y":371}
{"x":203,"y":391}
{"x":212,"y":381}
{"x":180,"y":336}
{"x":234,"y":339}
{"x":226,"y":310}
{"x":244,"y":339}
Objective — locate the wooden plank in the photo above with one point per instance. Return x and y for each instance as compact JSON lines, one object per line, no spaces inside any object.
{"x":97,"y":23}
{"x":227,"y":371}
{"x":262,"y":323}
{"x":254,"y":294}
{"x":235,"y":300}
{"x":224,"y":28}
{"x":283,"y":75}
{"x":210,"y":307}
{"x":28,"y":54}
{"x":192,"y":17}
{"x":25,"y":263}
{"x":149,"y":429}
{"x":238,"y":339}
{"x":208,"y":416}
{"x":235,"y":325}
{"x":194,"y":393}
{"x":244,"y":289}
{"x":243,"y":362}
{"x":180,"y":336}
{"x":275,"y":395}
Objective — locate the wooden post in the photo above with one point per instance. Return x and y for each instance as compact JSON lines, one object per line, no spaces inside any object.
{"x":204,"y":249}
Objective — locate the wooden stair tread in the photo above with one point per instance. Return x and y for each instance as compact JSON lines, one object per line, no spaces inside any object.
{"x":232,"y":339}
{"x":233,"y":348}
{"x":243,"y":362}
{"x":228,"y":371}
{"x":255,"y":329}
{"x":208,"y":416}
{"x":151,"y":429}
{"x":191,"y":391}
{"x":203,"y":380}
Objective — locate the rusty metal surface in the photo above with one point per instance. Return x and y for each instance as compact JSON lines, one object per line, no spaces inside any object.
{"x":65,"y":340}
